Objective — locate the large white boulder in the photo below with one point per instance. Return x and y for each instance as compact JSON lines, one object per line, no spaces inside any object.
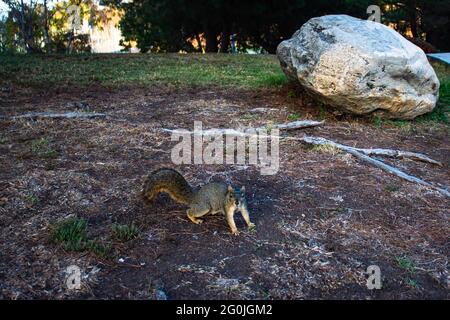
{"x":360,"y":66}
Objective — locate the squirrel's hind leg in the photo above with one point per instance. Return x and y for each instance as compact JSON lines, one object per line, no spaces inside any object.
{"x":195,"y":212}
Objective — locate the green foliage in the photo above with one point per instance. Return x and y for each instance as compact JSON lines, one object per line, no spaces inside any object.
{"x":293,"y":117}
{"x":7,"y":32}
{"x":27,"y":32}
{"x":265,"y":293}
{"x":101,"y":250}
{"x":125,"y":232}
{"x":406,"y":263}
{"x":412,"y":283}
{"x":393,"y":188}
{"x":71,"y":234}
{"x":377,"y":121}
{"x":271,"y":79}
{"x":166,"y":25}
{"x":171,"y":25}
{"x":31,"y":198}
{"x":322,"y":111}
{"x":41,"y":148}
{"x":426,"y":19}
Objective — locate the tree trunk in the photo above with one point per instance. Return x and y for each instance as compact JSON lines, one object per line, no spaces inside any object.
{"x":413,"y":17}
{"x":414,"y":27}
{"x":224,"y":41}
{"x":46,"y":28}
{"x":31,"y":47}
{"x":212,"y":44}
{"x":22,"y":25}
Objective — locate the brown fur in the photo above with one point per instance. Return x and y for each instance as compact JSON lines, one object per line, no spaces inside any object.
{"x":212,"y":198}
{"x":169,"y":181}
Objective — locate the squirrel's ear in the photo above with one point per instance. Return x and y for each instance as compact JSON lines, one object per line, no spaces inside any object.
{"x":243,"y":189}
{"x":230,"y":189}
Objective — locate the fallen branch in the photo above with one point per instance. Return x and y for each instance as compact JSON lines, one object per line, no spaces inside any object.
{"x":288,"y":126}
{"x":298,"y":125}
{"x":362,"y":154}
{"x":315,"y":140}
{"x":380,"y":152}
{"x":399,"y":154}
{"x":395,"y":171}
{"x":209,"y":132}
{"x":57,"y":115}
{"x":377,"y":163}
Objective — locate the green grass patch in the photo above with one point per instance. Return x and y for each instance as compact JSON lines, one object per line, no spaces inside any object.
{"x":322,"y":111}
{"x":71,"y":234}
{"x":42,"y":148}
{"x":403,"y":124}
{"x":124,"y":232}
{"x":377,"y":121}
{"x":412,"y":283}
{"x":292,"y":94}
{"x":293,"y":117}
{"x":82,"y":70}
{"x":100,"y":249}
{"x":406,"y":263}
{"x":393,"y":188}
{"x":31,"y":198}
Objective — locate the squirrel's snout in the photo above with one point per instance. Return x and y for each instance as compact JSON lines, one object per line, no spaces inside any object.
{"x":237,"y":202}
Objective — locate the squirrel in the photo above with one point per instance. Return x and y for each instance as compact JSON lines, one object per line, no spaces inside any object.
{"x":212,"y":198}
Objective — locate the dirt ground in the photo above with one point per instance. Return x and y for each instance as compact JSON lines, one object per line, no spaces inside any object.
{"x":320,"y":222}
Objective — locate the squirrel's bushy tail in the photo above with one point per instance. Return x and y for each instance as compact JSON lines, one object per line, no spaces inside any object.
{"x":169,"y":181}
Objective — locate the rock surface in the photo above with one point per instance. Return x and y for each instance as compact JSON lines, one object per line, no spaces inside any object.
{"x":361,"y":67}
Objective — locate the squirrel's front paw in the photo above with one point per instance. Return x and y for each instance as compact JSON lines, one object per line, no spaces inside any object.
{"x":251,"y":226}
{"x":235,"y":232}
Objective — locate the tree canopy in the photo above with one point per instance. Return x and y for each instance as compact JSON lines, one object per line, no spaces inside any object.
{"x":209,"y":25}
{"x":173,"y":25}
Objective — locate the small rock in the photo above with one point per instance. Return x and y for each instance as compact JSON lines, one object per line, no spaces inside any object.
{"x":226,"y":283}
{"x":337,"y":198}
{"x":160,"y":295}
